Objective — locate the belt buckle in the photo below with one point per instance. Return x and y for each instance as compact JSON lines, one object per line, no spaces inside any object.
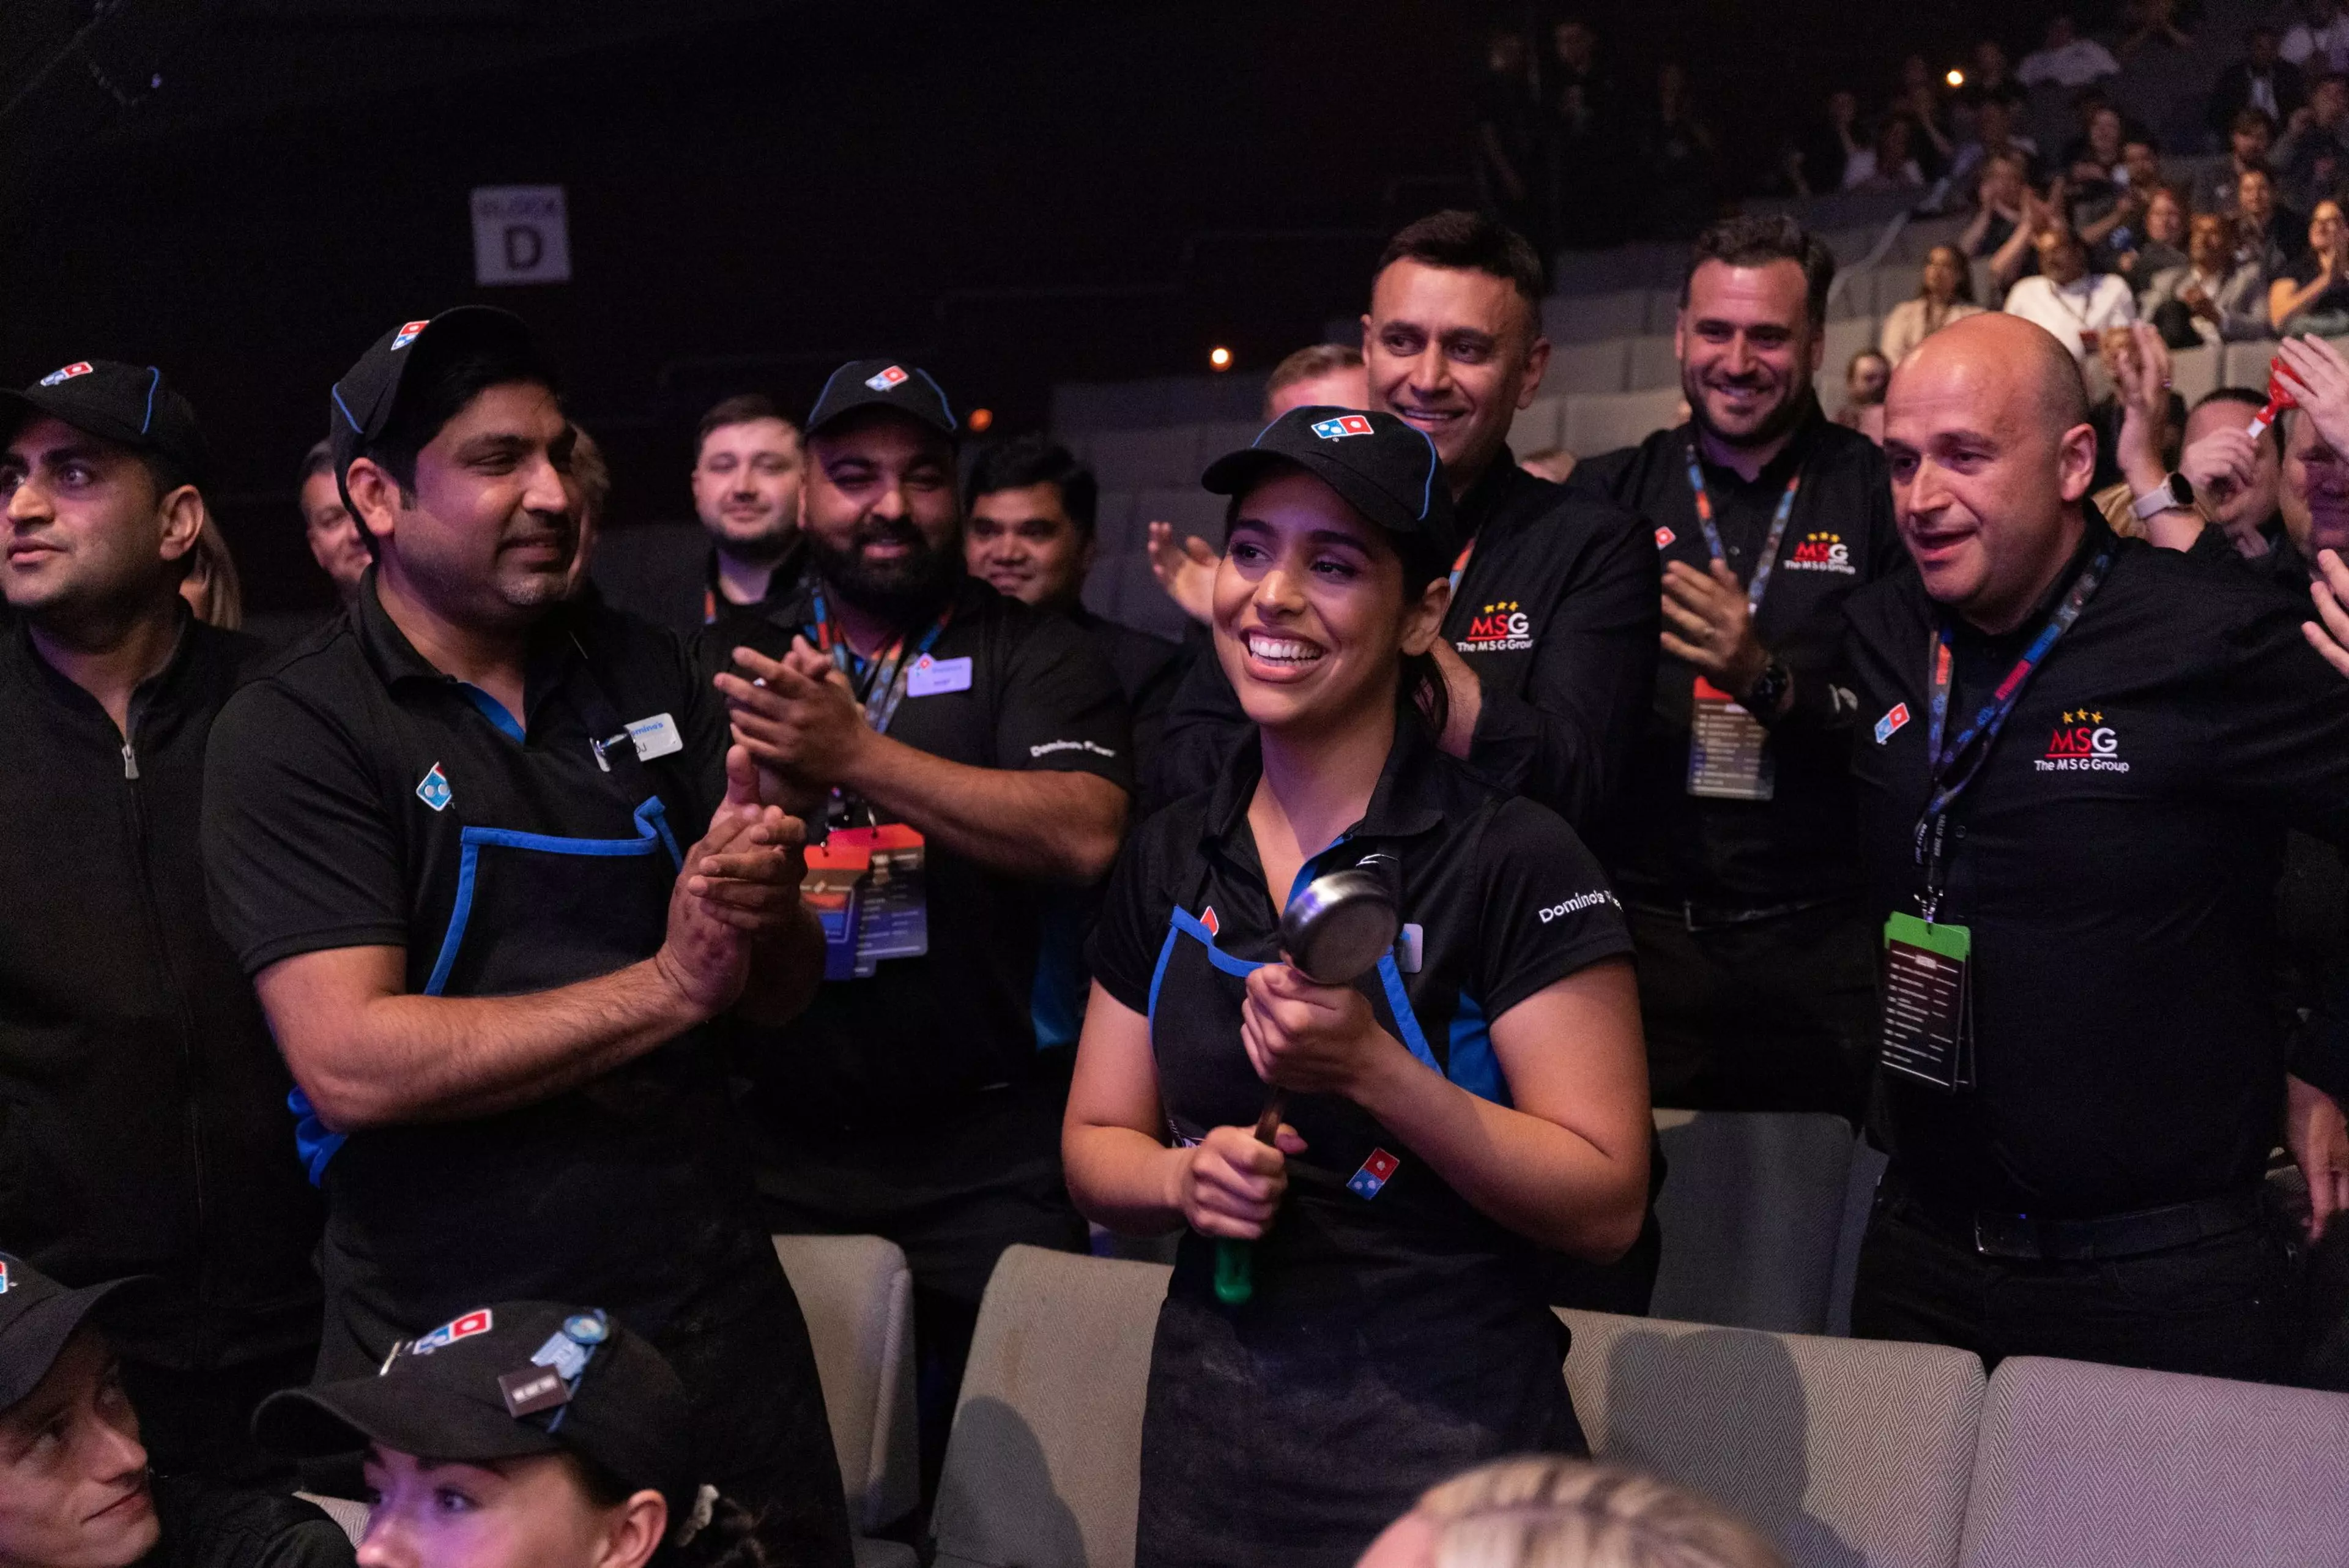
{"x":2018,"y":1238}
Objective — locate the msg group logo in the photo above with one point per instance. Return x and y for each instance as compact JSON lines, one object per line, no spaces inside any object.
{"x":2083,"y":743}
{"x":1501,"y":627}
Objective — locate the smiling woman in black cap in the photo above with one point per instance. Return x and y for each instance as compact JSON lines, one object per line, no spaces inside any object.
{"x":75,"y":1487}
{"x":522,"y":1435}
{"x":1477,"y":1096}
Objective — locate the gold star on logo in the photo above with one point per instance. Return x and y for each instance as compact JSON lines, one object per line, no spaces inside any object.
{"x":2096,"y":718}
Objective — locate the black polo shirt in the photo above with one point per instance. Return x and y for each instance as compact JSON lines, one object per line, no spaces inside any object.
{"x":913,"y":1045}
{"x":357,"y":797}
{"x":1732,"y":855}
{"x":1149,"y":668}
{"x":1557,"y":612}
{"x":1500,"y":899}
{"x":143,"y":1128}
{"x":2117,"y":860}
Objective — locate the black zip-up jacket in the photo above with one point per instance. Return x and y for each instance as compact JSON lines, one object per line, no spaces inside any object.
{"x":143,"y":1126}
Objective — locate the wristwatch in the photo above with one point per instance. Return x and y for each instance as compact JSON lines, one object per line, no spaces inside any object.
{"x":2172,"y":494}
{"x":1769,"y":690}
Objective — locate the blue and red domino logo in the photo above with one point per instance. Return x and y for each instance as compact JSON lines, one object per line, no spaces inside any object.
{"x":409,"y":331}
{"x":881,"y":381}
{"x":1376,"y":1172}
{"x":66,"y":372}
{"x":1342,"y":427}
{"x":4,"y":1276}
{"x":1890,"y":723}
{"x":477,"y":1321}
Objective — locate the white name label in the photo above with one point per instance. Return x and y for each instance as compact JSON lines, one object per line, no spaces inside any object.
{"x":931,"y":677}
{"x":655,"y":737}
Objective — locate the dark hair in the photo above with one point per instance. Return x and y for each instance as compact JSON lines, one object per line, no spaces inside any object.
{"x":1421,"y":680}
{"x":1471,"y":242}
{"x":2250,"y":117}
{"x":745,"y":408}
{"x":731,"y":1539}
{"x":1311,"y":364}
{"x":1029,"y":460}
{"x":2144,"y":139}
{"x":438,"y":391}
{"x":1757,"y":241}
{"x":1965,"y":290}
{"x":2249,"y":400}
{"x":318,"y":460}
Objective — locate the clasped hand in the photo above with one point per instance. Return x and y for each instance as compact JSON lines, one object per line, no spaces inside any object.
{"x":739,"y":884}
{"x":797,"y":717}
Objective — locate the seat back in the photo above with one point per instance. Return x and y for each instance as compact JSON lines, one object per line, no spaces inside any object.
{"x":2107,"y":1467}
{"x":1043,"y":1467}
{"x":1844,"y":1451}
{"x":344,"y":1511}
{"x":1601,"y":424}
{"x":1752,"y":1209}
{"x":857,"y":1295}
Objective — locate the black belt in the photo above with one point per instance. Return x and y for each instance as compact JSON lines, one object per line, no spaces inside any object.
{"x":2128,"y":1235}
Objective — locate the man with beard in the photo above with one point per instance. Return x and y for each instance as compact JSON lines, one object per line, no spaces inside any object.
{"x":1549,"y":649}
{"x":969,"y":756}
{"x":445,"y":836}
{"x":747,"y":465}
{"x":1756,"y":963}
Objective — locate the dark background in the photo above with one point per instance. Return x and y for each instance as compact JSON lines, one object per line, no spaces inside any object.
{"x":247,"y":191}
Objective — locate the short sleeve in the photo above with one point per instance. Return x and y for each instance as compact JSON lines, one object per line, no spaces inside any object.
{"x":1062,"y":711}
{"x":1548,"y":909}
{"x":1135,"y":914}
{"x":299,"y":855}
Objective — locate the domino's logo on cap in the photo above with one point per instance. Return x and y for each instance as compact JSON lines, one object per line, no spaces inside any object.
{"x":479,"y":1321}
{"x":65,"y":373}
{"x":1342,"y":427}
{"x":409,"y":332}
{"x":883,"y":380}
{"x":4,"y":1276}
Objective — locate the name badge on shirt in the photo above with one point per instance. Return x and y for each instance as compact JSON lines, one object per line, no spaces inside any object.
{"x":655,"y":737}
{"x":1729,"y":749}
{"x":1928,"y":1030}
{"x":935,"y":677}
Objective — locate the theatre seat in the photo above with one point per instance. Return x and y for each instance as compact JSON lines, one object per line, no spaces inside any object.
{"x":1753,"y":1209}
{"x":857,"y":1295}
{"x":2105,"y":1467}
{"x":1042,"y":1470}
{"x":1845,"y":1452}
{"x":1602,"y":423}
{"x":350,"y":1514}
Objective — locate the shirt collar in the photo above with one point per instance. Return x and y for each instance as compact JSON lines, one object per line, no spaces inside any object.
{"x":1481,"y":500}
{"x":549,"y":649}
{"x":1407,"y":801}
{"x":1782,"y":467}
{"x":141,"y":695}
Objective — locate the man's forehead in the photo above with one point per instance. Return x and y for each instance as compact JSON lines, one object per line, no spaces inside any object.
{"x":1771,"y":290}
{"x":752,"y":435}
{"x":1444,"y":298}
{"x":1021,"y":503}
{"x":527,"y":410}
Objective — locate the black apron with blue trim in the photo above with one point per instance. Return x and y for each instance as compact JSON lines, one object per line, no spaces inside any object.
{"x":1397,"y":1334}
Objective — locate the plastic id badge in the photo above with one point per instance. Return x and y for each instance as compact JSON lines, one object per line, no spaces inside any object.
{"x":835,"y":888}
{"x":935,"y":677}
{"x":897,"y":916}
{"x":1729,"y":749}
{"x":1928,"y":1028}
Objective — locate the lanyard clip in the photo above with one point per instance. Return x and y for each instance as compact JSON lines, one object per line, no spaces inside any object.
{"x":597,"y":747}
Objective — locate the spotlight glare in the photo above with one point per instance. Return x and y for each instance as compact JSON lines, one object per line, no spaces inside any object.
{"x":1956,"y":78}
{"x":1220,"y":358}
{"x":981,"y":419}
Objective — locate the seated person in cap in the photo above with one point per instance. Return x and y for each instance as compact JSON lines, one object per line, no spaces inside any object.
{"x":75,"y":1487}
{"x":523,"y":1435}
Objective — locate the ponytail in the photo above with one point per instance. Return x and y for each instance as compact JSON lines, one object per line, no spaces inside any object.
{"x":729,"y":1540}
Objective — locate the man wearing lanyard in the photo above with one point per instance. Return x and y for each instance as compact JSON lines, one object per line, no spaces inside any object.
{"x":452,"y":837}
{"x":971,"y":754}
{"x":2081,"y":758}
{"x":1549,"y":646}
{"x":1757,"y":967}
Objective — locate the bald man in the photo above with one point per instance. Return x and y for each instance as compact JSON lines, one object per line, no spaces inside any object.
{"x":2082,"y":1076}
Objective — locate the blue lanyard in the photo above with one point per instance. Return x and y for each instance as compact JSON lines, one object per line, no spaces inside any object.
{"x":1954,"y":767}
{"x":1769,"y":560}
{"x":879,"y":683}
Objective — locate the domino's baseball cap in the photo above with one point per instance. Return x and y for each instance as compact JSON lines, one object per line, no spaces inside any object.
{"x":38,"y":1315}
{"x":503,"y":1382}
{"x":130,"y":405}
{"x":1383,"y":468}
{"x":883,"y":384}
{"x":361,"y":406}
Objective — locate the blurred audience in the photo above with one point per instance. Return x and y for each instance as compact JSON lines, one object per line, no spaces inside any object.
{"x":2250,"y":137}
{"x":1865,"y":375}
{"x":2312,"y":293}
{"x":2262,"y":79}
{"x":1510,"y":172}
{"x":2066,"y":58}
{"x":1885,"y":164}
{"x":1326,"y":374}
{"x":1677,"y":158}
{"x":2236,"y":476}
{"x":2211,"y":297}
{"x":336,"y":542}
{"x":2066,"y":298}
{"x":1945,"y":293}
{"x":2320,"y":41}
{"x":2266,"y":235}
{"x":2311,"y":159}
{"x":1586,"y":132}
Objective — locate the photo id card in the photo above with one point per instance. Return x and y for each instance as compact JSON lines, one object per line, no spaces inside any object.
{"x":1927,"y":1023}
